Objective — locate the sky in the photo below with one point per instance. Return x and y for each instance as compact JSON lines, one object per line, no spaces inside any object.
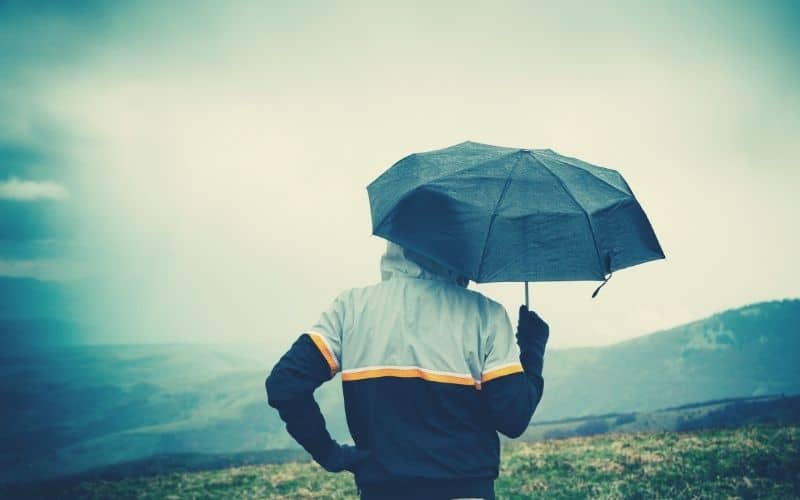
{"x":198,"y":169}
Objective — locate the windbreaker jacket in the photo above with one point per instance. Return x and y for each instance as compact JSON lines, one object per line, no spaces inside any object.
{"x":430,"y":372}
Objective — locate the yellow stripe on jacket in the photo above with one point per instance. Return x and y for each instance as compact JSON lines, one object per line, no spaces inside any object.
{"x":408,"y":372}
{"x":501,"y":371}
{"x":325,"y":350}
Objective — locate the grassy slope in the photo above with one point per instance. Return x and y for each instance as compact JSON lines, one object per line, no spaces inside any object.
{"x":749,"y":462}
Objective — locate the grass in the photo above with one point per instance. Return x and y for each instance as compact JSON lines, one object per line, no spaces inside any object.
{"x":749,"y":462}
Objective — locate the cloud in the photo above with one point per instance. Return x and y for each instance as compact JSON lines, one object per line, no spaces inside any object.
{"x":38,"y":248}
{"x":217,"y":178}
{"x":43,"y":269}
{"x":21,"y":190}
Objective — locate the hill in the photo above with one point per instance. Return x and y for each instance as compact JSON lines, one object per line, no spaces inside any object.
{"x":749,"y":351}
{"x":74,"y":408}
{"x":70,"y":407}
{"x":749,"y":462}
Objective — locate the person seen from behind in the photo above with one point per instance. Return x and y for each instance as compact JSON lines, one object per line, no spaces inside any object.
{"x":430,"y":374}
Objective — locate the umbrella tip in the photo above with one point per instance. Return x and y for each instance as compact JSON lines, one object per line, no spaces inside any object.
{"x":602,"y":284}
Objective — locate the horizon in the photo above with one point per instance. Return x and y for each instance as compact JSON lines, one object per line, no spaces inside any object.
{"x":262,"y":342}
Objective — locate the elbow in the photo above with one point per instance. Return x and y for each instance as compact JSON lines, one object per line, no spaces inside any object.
{"x":515,"y":433}
{"x":285,"y":388}
{"x":273,"y":390}
{"x":515,"y":420}
{"x":514,"y":430}
{"x":281,"y":389}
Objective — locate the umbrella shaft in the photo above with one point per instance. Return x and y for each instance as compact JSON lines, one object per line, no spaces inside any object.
{"x":526,"y":296}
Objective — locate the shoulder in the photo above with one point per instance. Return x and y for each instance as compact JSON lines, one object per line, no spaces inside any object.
{"x":492,"y":314}
{"x":356,"y":295}
{"x":491,"y":306}
{"x":494,"y":319}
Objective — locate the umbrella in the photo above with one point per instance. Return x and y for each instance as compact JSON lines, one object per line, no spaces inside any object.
{"x":509,"y":214}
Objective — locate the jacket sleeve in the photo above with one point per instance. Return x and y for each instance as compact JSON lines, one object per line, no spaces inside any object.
{"x":313,"y":359}
{"x":511,"y":382}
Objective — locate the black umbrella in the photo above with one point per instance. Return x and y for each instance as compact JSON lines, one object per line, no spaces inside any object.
{"x":508,"y":214}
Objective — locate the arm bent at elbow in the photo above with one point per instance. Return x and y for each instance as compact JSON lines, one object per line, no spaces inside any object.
{"x":290,"y":389}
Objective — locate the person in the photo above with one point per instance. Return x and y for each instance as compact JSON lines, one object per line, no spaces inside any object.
{"x":430,"y":374}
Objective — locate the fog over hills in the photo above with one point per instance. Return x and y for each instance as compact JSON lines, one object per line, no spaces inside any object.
{"x":750,"y":351}
{"x":69,"y":406}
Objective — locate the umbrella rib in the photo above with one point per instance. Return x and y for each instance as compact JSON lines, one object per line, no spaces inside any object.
{"x":563,"y":162}
{"x":585,"y":213}
{"x":494,"y":216}
{"x":428,"y":181}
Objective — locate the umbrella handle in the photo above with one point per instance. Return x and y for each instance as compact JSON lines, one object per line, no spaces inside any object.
{"x":526,"y":296}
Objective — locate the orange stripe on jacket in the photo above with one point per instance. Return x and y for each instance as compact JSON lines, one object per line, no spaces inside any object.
{"x":326,"y":352}
{"x":501,"y":372}
{"x":408,"y":373}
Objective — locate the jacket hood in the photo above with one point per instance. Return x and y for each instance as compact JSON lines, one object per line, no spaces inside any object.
{"x":399,"y":261}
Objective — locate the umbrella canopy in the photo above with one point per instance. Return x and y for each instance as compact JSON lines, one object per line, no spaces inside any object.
{"x":508,"y":214}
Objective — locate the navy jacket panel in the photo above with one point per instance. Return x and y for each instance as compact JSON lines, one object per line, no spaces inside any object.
{"x":417,"y":429}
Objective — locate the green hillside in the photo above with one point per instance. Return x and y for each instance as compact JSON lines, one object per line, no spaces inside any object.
{"x":749,"y":462}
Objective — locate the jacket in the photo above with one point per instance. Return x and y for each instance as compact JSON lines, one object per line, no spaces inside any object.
{"x":430,"y":374}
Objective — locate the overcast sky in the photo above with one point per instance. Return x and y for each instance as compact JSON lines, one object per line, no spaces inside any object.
{"x":203,"y":164}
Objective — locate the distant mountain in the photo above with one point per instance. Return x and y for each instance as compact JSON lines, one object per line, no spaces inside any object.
{"x":69,"y":408}
{"x":750,"y":351}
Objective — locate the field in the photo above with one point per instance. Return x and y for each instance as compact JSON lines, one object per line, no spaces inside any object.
{"x":748,"y":462}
